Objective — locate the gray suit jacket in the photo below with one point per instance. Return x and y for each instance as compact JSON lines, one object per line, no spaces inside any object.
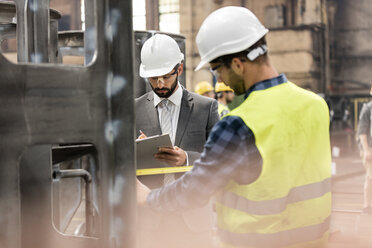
{"x":198,"y":114}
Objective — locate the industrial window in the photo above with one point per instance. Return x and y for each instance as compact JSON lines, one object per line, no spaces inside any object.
{"x":169,"y":16}
{"x":139,"y":14}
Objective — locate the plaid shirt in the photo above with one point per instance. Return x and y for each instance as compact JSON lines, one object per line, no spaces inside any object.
{"x":230,"y":153}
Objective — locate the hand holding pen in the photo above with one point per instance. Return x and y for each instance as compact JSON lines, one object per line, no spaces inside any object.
{"x":142,"y":135}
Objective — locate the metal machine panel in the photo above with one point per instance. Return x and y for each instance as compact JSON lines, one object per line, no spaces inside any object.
{"x":44,"y":105}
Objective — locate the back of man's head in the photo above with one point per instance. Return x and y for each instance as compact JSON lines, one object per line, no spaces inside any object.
{"x":230,"y":30}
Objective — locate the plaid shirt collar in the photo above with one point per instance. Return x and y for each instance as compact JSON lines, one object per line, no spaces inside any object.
{"x":268,"y":83}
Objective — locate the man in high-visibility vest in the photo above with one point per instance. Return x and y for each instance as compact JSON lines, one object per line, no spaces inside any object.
{"x":224,"y":96}
{"x":269,"y":159}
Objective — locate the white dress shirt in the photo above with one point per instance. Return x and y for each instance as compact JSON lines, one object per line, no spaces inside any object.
{"x":175,"y":106}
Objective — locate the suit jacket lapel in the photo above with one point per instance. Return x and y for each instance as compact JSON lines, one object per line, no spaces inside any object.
{"x":187,"y":106}
{"x":153,"y":114}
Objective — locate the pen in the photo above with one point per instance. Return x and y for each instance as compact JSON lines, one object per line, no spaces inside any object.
{"x":142,"y":135}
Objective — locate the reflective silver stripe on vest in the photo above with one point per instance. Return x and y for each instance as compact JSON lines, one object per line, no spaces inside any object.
{"x":279,"y":239}
{"x":276,"y":206}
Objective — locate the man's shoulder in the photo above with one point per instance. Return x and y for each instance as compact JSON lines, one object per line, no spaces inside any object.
{"x":143,"y":97}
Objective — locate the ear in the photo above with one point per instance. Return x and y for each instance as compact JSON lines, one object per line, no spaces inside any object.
{"x":237,"y":66}
{"x":180,"y":69}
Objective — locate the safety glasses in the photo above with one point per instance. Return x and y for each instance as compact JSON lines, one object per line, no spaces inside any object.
{"x":214,"y":70}
{"x":167,"y":76}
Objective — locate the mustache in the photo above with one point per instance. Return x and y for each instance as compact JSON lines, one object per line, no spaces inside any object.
{"x":157,"y":89}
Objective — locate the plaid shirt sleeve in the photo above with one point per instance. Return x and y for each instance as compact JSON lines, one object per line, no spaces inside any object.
{"x":229,"y":153}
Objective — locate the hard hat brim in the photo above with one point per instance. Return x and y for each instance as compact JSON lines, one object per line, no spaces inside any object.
{"x":154,"y":72}
{"x":201,"y":64}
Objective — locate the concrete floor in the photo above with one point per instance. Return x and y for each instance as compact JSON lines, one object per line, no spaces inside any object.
{"x":349,"y":226}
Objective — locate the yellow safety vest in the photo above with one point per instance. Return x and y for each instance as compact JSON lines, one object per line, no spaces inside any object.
{"x":289,"y":205}
{"x":223,"y":109}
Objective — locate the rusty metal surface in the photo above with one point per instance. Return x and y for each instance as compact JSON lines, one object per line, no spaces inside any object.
{"x":50,"y":104}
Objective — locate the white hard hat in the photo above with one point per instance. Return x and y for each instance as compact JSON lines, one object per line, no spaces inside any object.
{"x":159,"y":55}
{"x":227,"y":30}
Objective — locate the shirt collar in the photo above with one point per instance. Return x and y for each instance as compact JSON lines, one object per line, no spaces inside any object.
{"x":268,"y":83}
{"x":175,"y":98}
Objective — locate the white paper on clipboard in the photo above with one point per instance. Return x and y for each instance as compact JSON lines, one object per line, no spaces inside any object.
{"x":147,"y":147}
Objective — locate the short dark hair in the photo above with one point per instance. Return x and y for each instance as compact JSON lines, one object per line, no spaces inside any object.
{"x":242,"y":55}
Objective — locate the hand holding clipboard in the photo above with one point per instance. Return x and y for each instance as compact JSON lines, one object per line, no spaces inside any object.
{"x":162,"y":150}
{"x":147,"y":147}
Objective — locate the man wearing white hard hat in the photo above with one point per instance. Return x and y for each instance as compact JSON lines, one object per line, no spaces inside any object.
{"x":269,"y":159}
{"x":188,"y":118}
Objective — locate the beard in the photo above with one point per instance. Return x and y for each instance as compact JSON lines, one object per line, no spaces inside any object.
{"x":168,"y":92}
{"x":236,"y":83}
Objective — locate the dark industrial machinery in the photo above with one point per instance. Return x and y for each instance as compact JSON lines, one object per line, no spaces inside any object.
{"x":67,"y":132}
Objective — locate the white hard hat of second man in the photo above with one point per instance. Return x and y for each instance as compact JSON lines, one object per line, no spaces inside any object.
{"x":159,"y":55}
